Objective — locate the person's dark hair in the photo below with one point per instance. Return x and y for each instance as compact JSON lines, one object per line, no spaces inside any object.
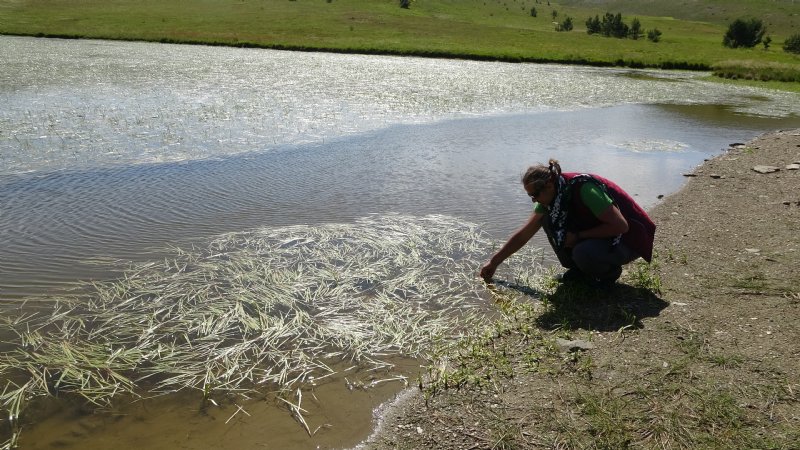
{"x":541,"y":174}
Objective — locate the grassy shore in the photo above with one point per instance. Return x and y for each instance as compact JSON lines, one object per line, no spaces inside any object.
{"x":475,"y":29}
{"x":695,"y":351}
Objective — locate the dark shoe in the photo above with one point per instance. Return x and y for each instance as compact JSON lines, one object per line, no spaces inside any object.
{"x":602,"y":285}
{"x":613,"y":275}
{"x":570,"y":276}
{"x":607,"y":282}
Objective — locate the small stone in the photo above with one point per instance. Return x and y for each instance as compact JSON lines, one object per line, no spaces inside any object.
{"x":716,"y":176}
{"x":574,"y":345}
{"x":660,"y":196}
{"x":737,"y":145}
{"x":419,"y":430}
{"x":766,"y":169}
{"x":794,"y":166}
{"x":690,"y":174}
{"x":752,"y":250}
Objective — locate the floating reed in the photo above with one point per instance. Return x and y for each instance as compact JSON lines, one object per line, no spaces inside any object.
{"x":273,"y":307}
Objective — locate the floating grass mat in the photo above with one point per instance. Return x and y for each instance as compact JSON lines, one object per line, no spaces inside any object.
{"x":271,"y":308}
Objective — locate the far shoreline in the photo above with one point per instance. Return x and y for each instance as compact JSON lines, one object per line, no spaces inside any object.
{"x":621,"y":63}
{"x":445,"y":55}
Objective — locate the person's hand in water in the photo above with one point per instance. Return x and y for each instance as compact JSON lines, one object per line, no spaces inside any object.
{"x":487,"y":271}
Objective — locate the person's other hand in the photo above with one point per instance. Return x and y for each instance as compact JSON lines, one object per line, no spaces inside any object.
{"x":570,"y":240}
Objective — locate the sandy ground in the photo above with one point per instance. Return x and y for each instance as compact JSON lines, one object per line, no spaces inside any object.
{"x":710,"y":361}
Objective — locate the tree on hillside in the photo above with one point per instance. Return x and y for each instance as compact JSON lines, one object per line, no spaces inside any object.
{"x":565,"y":25}
{"x":636,"y":29}
{"x":742,"y":33}
{"x":533,"y":12}
{"x":614,"y":26}
{"x":593,"y":25}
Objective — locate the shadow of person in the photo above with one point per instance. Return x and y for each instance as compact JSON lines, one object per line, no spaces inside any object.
{"x":580,"y":306}
{"x":521,"y":288}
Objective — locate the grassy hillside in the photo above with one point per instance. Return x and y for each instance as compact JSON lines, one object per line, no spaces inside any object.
{"x":491,"y":29}
{"x":781,"y":17}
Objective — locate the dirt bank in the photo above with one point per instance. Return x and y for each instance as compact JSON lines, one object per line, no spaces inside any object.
{"x":709,"y":360}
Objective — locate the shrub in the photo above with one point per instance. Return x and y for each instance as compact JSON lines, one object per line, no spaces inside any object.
{"x":533,"y":12}
{"x":792,"y":44}
{"x":405,"y":4}
{"x":654,"y":35}
{"x":565,"y":25}
{"x":743,"y":33}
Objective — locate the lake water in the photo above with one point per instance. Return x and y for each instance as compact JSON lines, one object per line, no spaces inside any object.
{"x":114,"y":151}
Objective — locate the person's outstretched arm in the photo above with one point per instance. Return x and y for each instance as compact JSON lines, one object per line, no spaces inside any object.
{"x":514,"y":243}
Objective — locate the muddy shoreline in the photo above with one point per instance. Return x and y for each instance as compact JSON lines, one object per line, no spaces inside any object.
{"x":713,"y":362}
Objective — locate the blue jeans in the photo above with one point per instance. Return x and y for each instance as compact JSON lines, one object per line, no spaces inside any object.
{"x":596,"y":258}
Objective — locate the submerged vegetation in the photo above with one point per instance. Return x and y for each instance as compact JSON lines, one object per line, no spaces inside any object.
{"x":283,"y":310}
{"x":271,"y":309}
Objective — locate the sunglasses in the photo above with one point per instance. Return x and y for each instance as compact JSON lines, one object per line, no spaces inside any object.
{"x":536,"y":193}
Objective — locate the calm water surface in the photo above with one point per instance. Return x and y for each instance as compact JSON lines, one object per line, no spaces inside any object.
{"x":113,"y":151}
